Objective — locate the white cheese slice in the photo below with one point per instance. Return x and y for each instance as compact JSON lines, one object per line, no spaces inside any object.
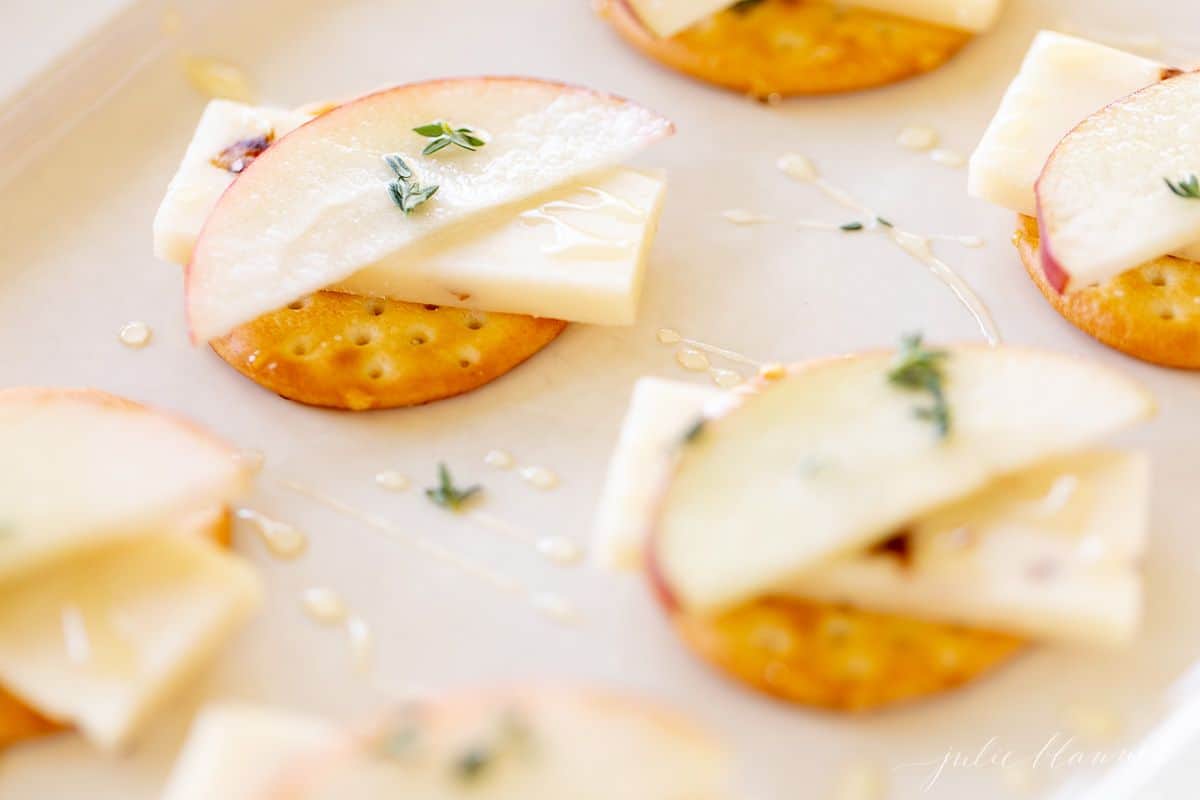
{"x":969,"y":15}
{"x":577,"y":253}
{"x":81,"y":468}
{"x":660,"y":412}
{"x":102,"y":639}
{"x":1062,"y":81}
{"x":240,"y":752}
{"x":198,"y":183}
{"x":665,"y":18}
{"x":1052,"y":552}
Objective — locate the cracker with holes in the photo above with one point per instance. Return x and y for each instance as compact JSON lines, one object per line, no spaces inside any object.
{"x":383,"y":253}
{"x":1086,"y":148}
{"x":867,"y":530}
{"x":768,"y":48}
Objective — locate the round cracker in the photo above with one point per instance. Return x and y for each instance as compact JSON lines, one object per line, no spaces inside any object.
{"x":840,"y":658}
{"x":1151,"y":312}
{"x":345,"y":351}
{"x":22,"y":723}
{"x":795,"y":47}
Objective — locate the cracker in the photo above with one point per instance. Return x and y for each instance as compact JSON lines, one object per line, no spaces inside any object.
{"x":839,"y":658}
{"x":344,"y":351}
{"x":795,"y":47}
{"x":1151,"y":312}
{"x":20,"y":723}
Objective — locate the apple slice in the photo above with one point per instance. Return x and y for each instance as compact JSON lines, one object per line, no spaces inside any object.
{"x":83,"y":468}
{"x":315,"y":208}
{"x":533,"y":744}
{"x":665,"y":18}
{"x":833,"y":459}
{"x":1104,"y":203}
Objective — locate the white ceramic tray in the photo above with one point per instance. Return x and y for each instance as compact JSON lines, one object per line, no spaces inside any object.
{"x":90,"y":144}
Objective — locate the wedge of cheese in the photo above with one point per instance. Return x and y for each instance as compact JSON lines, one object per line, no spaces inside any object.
{"x":101,"y":639}
{"x":660,"y":413}
{"x":576,"y":253}
{"x":241,"y":752}
{"x":199,"y":182}
{"x":82,"y":468}
{"x":1062,"y":82}
{"x":1051,"y":552}
{"x":665,"y":18}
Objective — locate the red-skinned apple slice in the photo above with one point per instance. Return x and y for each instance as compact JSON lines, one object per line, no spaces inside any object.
{"x":832,"y":459}
{"x":118,"y":470}
{"x":315,"y":208}
{"x":1104,"y":200}
{"x":534,"y":744}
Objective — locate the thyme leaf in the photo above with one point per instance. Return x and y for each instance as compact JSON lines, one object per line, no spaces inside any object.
{"x":405,"y":191}
{"x":919,"y":369}
{"x":444,"y":135}
{"x":1187,"y":187}
{"x":449,"y":496}
{"x":851,"y":226}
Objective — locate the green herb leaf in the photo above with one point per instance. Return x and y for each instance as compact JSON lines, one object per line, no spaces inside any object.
{"x":471,"y":765}
{"x":1188,"y":187}
{"x":449,"y":496}
{"x":405,"y":192}
{"x":511,"y":737}
{"x":443,"y":135}
{"x":919,"y":369}
{"x":885,"y":223}
{"x":695,"y":431}
{"x":852,"y":226}
{"x":431,"y":129}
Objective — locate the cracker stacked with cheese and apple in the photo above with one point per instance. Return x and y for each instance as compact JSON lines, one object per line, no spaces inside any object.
{"x":863,"y":530}
{"x":526,"y":744}
{"x":1097,"y":150}
{"x":114,"y":585}
{"x":772,"y":48}
{"x":414,"y":243}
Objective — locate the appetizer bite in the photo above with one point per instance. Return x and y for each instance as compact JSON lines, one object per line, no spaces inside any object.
{"x":115,"y":581}
{"x":535,"y":744}
{"x":1108,"y":204}
{"x":769,"y":48}
{"x":412,"y":244}
{"x":876,"y":528}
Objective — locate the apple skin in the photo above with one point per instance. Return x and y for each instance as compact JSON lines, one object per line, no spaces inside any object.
{"x":331,"y":117}
{"x":1056,"y":276}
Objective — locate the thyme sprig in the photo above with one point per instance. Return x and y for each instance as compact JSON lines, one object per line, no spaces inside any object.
{"x":449,"y":496}
{"x":919,"y":369}
{"x":851,"y":226}
{"x":743,"y":6}
{"x":512,"y":736}
{"x":406,"y":192}
{"x":444,"y":135}
{"x":1187,"y":187}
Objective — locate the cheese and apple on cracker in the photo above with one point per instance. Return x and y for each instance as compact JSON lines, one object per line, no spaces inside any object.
{"x":117,"y":587}
{"x":771,"y":48}
{"x":1098,"y":152}
{"x":881,"y":527}
{"x":415,"y":243}
{"x":536,"y":743}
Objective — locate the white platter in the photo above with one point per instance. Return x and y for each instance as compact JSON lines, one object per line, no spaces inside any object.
{"x":75,"y":264}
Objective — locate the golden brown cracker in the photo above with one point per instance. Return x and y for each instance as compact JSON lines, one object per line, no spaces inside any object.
{"x":839,"y":658}
{"x":795,"y":47}
{"x":1151,"y":312}
{"x":344,"y":351}
{"x":21,"y":723}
